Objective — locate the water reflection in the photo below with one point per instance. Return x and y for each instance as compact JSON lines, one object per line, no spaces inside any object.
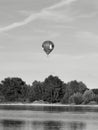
{"x":57,"y":125}
{"x":52,"y":125}
{"x":47,"y":125}
{"x":77,"y":126}
{"x":46,"y":108}
{"x":11,"y":124}
{"x":41,"y":125}
{"x":48,"y":119}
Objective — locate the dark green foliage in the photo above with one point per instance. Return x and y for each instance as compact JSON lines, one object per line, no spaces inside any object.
{"x":53,"y":89}
{"x":88,"y":96}
{"x":82,"y":87}
{"x":13,"y":89}
{"x":76,"y":98}
{"x":36,"y":91}
{"x":75,"y":86}
{"x":25,"y":92}
{"x":96,"y":98}
{"x":66,"y":96}
{"x":71,"y":88}
{"x":92,"y":103}
{"x":95,"y":91}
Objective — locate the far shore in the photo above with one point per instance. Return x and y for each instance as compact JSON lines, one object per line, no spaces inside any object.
{"x":43,"y":104}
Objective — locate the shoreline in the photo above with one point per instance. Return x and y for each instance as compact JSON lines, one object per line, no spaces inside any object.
{"x":43,"y":104}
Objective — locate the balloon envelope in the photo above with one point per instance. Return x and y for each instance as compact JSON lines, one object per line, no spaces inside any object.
{"x":48,"y":46}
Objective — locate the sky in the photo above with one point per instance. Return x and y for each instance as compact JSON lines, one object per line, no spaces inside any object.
{"x":72,"y":25}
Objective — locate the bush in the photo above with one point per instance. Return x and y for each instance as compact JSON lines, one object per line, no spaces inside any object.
{"x":96,"y":98}
{"x":76,"y":98}
{"x":88,"y":96}
{"x":92,"y":103}
{"x":71,"y":88}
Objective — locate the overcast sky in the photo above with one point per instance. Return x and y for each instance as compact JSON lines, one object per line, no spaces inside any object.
{"x":71,"y":24}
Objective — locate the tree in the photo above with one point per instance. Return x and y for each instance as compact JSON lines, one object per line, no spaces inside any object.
{"x":71,"y":88}
{"x":52,"y":89}
{"x":66,"y":96}
{"x":88,"y":96}
{"x":24,"y":94}
{"x":36,"y":92}
{"x":95,"y":91}
{"x":76,"y":98}
{"x":82,"y":87}
{"x":75,"y":86}
{"x":13,"y":89}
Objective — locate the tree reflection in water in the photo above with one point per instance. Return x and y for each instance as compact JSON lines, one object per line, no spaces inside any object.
{"x":47,"y":125}
{"x":52,"y":125}
{"x":12,"y":124}
{"x":77,"y":126}
{"x":58,"y":125}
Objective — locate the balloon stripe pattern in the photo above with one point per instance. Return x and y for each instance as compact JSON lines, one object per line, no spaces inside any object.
{"x":48,"y":47}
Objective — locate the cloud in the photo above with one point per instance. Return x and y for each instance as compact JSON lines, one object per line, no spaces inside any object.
{"x":18,"y":24}
{"x":47,"y":12}
{"x":48,"y":33}
{"x":91,"y":15}
{"x":60,"y":4}
{"x":88,"y":42}
{"x":87,"y":35}
{"x":56,"y":17}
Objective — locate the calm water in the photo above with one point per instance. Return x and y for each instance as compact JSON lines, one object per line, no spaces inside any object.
{"x":48,"y":118}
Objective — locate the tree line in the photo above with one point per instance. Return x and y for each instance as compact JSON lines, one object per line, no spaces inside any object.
{"x":51,"y":90}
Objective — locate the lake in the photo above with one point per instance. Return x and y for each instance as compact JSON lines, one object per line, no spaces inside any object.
{"x":48,"y":117}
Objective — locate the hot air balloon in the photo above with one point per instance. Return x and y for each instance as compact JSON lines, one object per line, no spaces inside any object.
{"x":48,"y":47}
